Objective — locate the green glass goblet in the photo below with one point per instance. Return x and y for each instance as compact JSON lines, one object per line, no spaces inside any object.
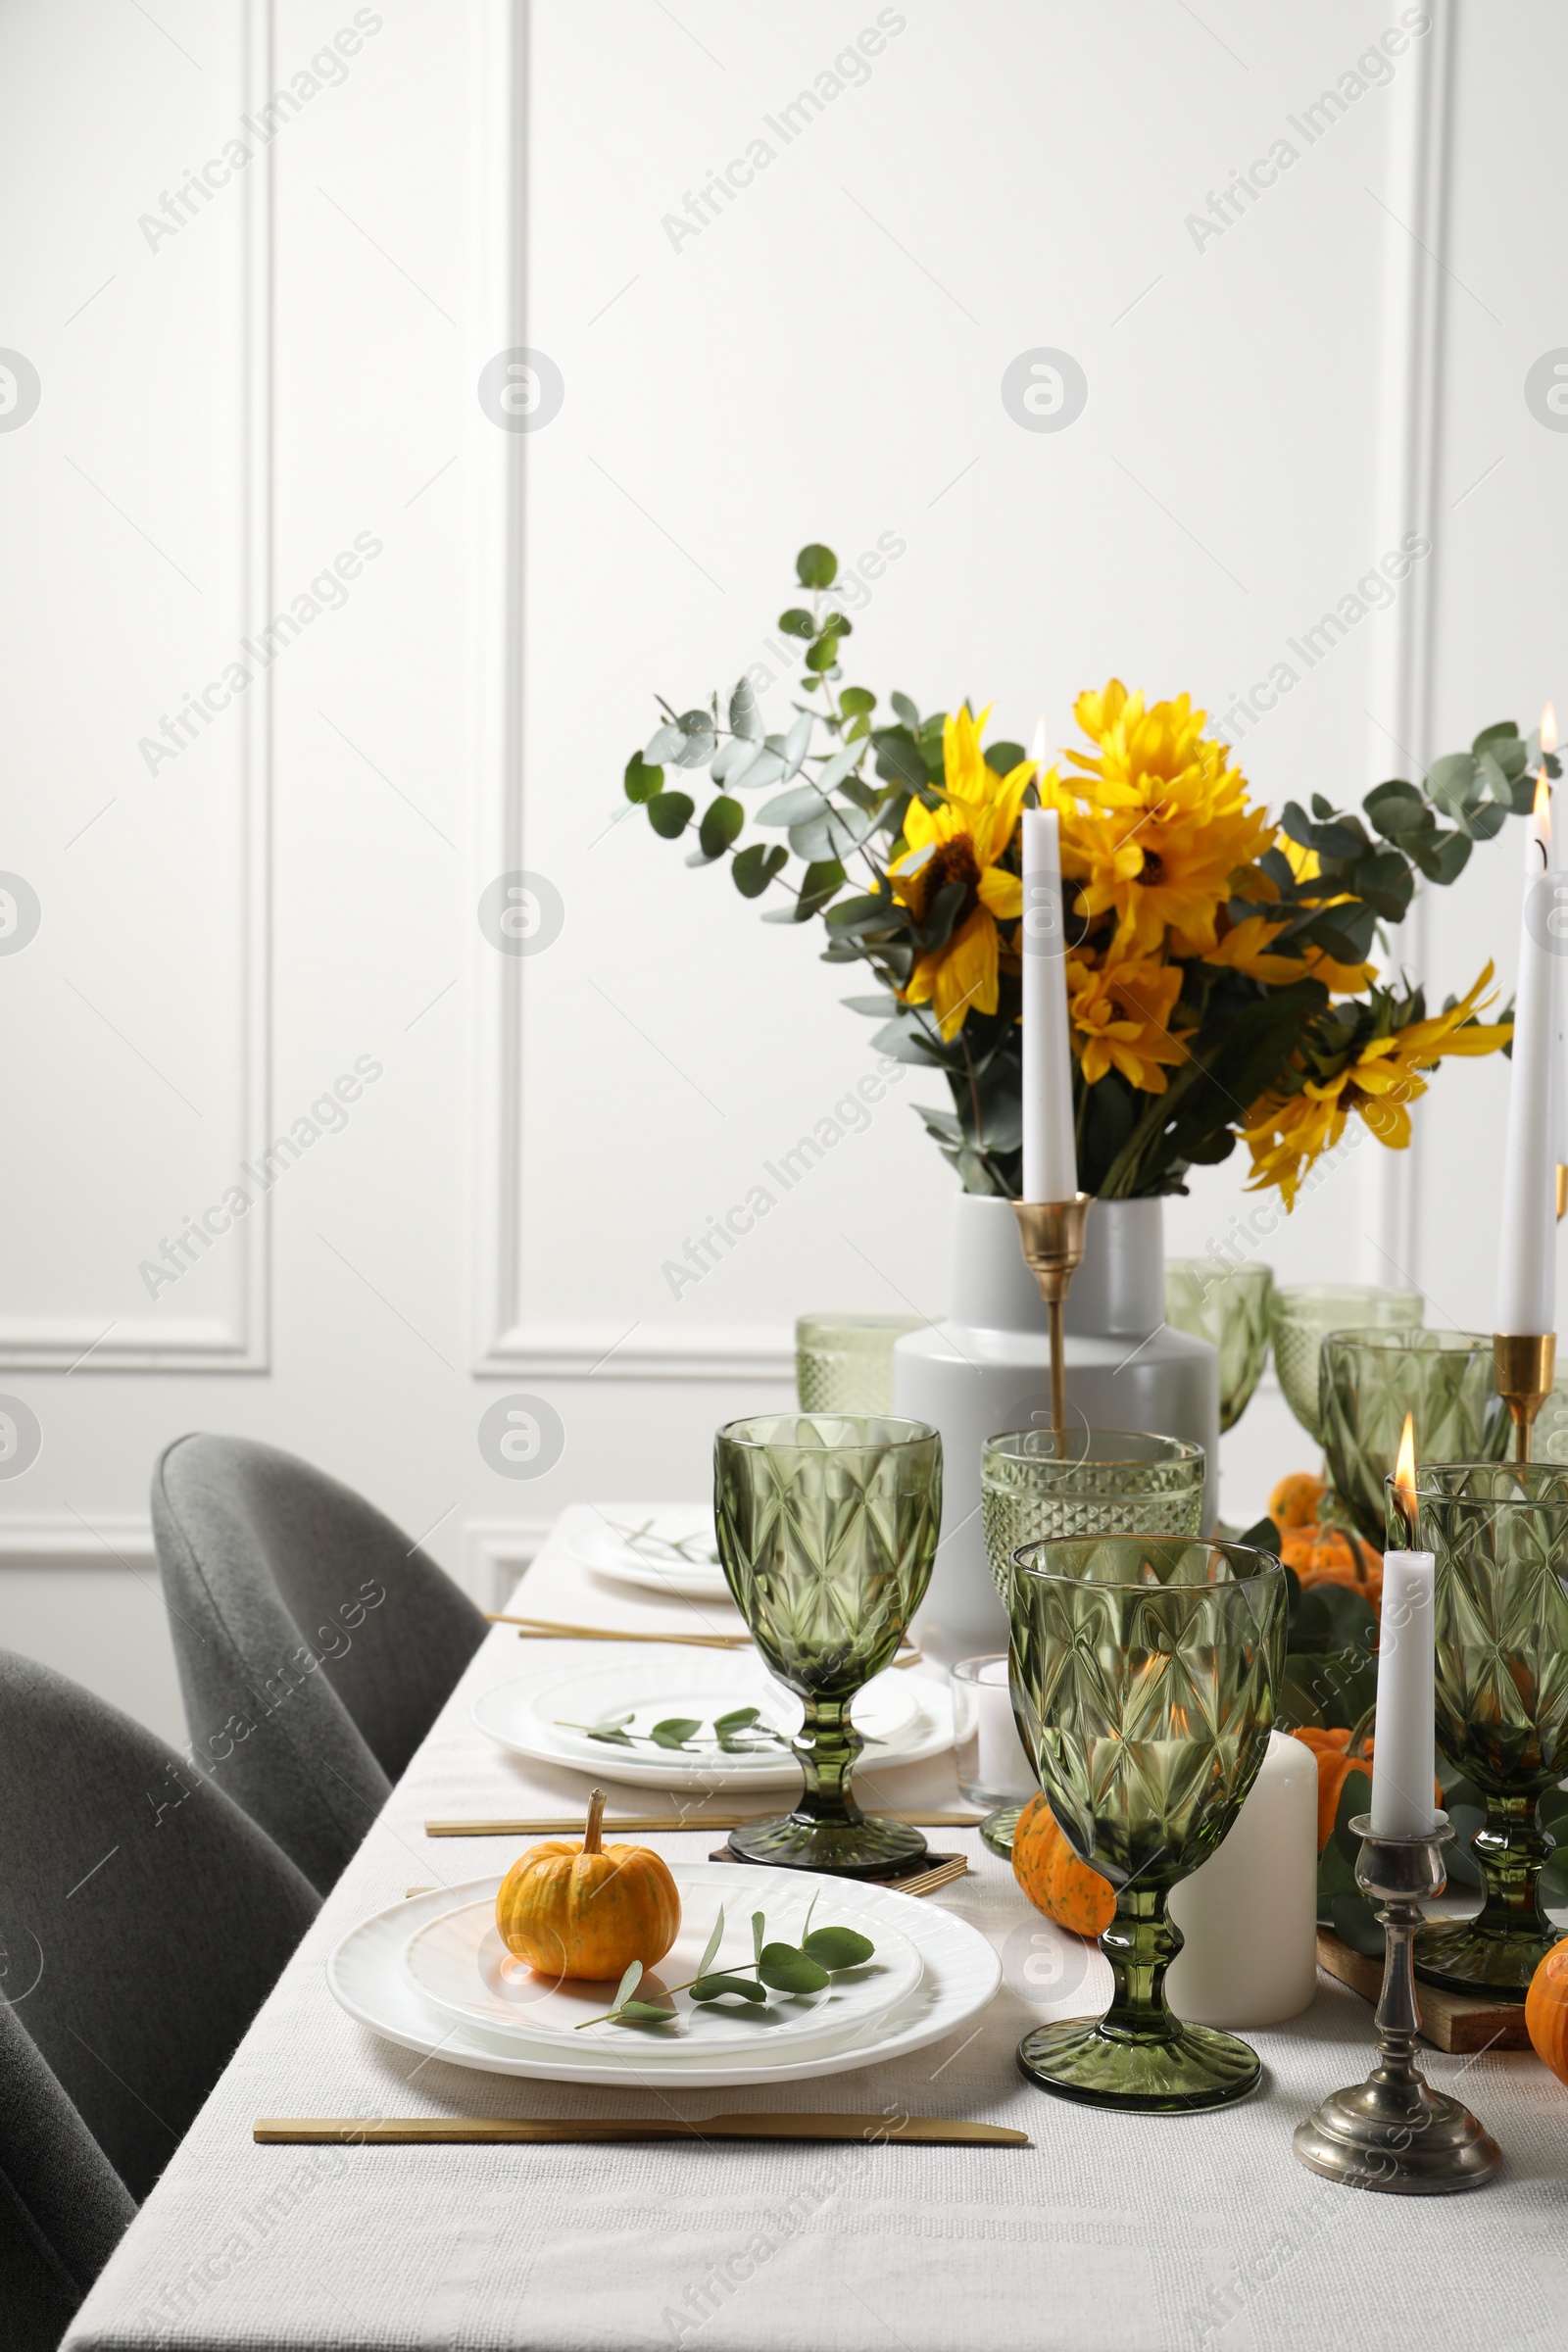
{"x":1305,"y":1311}
{"x":827,"y":1529}
{"x":1229,"y":1307}
{"x":1367,"y":1383}
{"x":1093,"y":1482}
{"x":1143,"y":1676}
{"x":1498,"y":1533}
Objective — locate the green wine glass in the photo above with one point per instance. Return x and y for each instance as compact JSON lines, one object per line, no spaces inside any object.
{"x":1498,"y":1535}
{"x":827,"y":1529}
{"x":1305,"y":1312}
{"x":1145,"y":1671}
{"x":1367,"y":1383}
{"x":1230,"y":1306}
{"x":1034,"y":1488}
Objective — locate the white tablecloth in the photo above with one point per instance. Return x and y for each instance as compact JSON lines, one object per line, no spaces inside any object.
{"x":1109,"y":2231}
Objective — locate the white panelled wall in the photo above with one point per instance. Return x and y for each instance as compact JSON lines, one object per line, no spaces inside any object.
{"x":326,"y":628}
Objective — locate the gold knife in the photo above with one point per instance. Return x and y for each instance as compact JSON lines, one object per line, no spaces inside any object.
{"x":482,"y":2130}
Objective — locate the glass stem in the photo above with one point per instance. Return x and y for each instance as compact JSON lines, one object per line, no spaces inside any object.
{"x":826,"y":1746}
{"x":1140,"y":1943}
{"x":1511,"y":1850}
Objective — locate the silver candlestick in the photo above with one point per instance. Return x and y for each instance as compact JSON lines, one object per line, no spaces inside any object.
{"x":1392,"y":2131}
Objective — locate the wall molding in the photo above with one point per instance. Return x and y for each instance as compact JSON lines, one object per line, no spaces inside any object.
{"x":150,"y":1342}
{"x":1410,"y":432}
{"x":648,"y":1352}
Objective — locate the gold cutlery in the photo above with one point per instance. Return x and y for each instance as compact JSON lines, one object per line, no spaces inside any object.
{"x":925,"y":1883}
{"x":500,"y":2130}
{"x":559,"y":1824}
{"x":544,"y":1628}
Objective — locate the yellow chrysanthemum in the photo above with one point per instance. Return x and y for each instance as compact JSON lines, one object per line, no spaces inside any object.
{"x":1169,"y":822}
{"x":1244,"y":949}
{"x":963,"y":840}
{"x":1288,"y":1132}
{"x":1121,"y":1016}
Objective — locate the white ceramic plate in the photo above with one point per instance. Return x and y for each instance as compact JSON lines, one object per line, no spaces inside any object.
{"x":961,"y":1972}
{"x":459,"y":1963}
{"x":665,"y":1548}
{"x":908,"y":1716}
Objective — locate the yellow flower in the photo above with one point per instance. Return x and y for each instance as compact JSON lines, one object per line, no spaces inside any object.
{"x":1121,"y":1015}
{"x":1244,"y":949}
{"x":1287,"y":1132}
{"x":963,"y":840}
{"x":1171,"y":822}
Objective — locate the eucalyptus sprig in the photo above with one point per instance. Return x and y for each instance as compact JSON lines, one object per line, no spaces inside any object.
{"x":791,"y":1968}
{"x":740,"y":1733}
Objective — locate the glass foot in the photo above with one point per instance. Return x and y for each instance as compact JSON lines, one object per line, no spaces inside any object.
{"x":863,"y":1848}
{"x":1461,"y":1957}
{"x":996,"y":1830}
{"x":1196,"y":2066}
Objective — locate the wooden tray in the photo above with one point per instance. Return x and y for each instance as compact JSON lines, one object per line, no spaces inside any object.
{"x":1462,"y":2022}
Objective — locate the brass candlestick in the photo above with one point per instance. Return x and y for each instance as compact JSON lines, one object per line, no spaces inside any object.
{"x":1052,"y":1235}
{"x":1393,"y":2133}
{"x":1524,"y":1366}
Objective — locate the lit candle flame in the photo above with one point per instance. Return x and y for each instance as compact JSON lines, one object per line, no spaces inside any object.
{"x":1548,"y":728}
{"x":1542,"y":818}
{"x":1404,"y":1481}
{"x":1038,"y":743}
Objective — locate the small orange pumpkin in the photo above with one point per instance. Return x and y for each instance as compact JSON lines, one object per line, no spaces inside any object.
{"x":1332,"y":1555}
{"x":1053,"y":1877}
{"x":588,"y":1910}
{"x":1295,"y":1500}
{"x":1546,"y":2010}
{"x":1339,"y":1754}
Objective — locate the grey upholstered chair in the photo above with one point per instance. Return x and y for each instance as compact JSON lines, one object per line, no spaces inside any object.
{"x":63,"y":2206}
{"x":143,"y":1921}
{"x":316,"y":1643}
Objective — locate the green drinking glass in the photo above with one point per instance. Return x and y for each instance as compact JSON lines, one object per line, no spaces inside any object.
{"x":1230,"y":1306}
{"x":1143,"y":1680}
{"x":1305,"y":1311}
{"x":1498,"y":1533}
{"x":844,"y":1363}
{"x":1367,"y":1383}
{"x":1094,"y":1482}
{"x":827,"y":1529}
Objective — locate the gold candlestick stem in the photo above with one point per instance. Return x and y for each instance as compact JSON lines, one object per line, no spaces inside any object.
{"x":1524,"y":1366}
{"x":1052,"y":1236}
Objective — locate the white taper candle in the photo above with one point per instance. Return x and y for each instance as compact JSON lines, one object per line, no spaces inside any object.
{"x":1049,"y":1155}
{"x":1404,"y":1749}
{"x":1527,"y":1271}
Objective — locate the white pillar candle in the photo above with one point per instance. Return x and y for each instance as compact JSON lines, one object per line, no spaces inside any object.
{"x":1002,"y":1766}
{"x":1404,"y":1754}
{"x":1049,"y":1153}
{"x":1249,"y":1915}
{"x":1527,"y":1269}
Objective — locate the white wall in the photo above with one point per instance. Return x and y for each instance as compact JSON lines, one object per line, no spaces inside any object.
{"x":1268,"y":410}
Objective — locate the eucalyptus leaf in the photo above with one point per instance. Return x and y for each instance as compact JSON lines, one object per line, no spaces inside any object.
{"x":854,"y":700}
{"x":669,"y":813}
{"x":745,"y":718}
{"x":791,"y":807}
{"x":711,"y":1946}
{"x":759,"y":1931}
{"x":697,"y":750}
{"x":710,"y":1989}
{"x":675,"y":1730}
{"x":797,"y":743}
{"x":816,"y":567}
{"x":663,"y":743}
{"x":642,"y":2013}
{"x":765,"y":768}
{"x":723,"y":820}
{"x":837,"y":1947}
{"x":797,"y":623}
{"x":754,"y":868}
{"x":740,"y":1719}
{"x":905,"y":710}
{"x":629,"y":1982}
{"x":787,"y":1970}
{"x":642,"y":781}
{"x":843,"y":764}
{"x":733,"y":759}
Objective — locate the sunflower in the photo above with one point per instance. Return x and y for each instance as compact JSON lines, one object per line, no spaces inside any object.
{"x":1379,"y":1080}
{"x":1169,"y":822}
{"x":1121,"y":1015}
{"x":963,"y":840}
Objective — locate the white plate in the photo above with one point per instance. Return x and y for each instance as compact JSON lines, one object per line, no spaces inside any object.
{"x":665,"y":1548}
{"x":961,"y":1972}
{"x":906,"y":1715}
{"x":459,"y":1963}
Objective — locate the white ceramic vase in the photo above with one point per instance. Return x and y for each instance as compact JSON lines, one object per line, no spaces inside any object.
{"x":987,"y":1369}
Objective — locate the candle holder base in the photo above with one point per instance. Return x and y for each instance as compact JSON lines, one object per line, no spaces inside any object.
{"x":1393,"y":2133}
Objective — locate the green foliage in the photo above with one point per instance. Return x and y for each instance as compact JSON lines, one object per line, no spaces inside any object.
{"x":841,"y":786}
{"x":792,"y":1969}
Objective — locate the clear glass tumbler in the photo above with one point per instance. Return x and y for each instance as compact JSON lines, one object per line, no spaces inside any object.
{"x":844,"y":1363}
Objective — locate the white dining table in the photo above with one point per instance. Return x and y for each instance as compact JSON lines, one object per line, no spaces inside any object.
{"x":1107,"y":2230}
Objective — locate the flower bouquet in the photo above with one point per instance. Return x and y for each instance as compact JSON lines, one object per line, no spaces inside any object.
{"x":1220,"y":970}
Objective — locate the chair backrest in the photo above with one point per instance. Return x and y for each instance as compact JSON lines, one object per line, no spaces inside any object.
{"x":316,"y":1645}
{"x":63,"y":2206}
{"x":143,"y":1918}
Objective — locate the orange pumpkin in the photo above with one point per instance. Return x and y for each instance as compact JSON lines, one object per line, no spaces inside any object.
{"x":1546,"y":2010}
{"x":1332,"y":1555}
{"x":1295,"y":1500}
{"x":1053,"y":1877}
{"x":588,"y":1910}
{"x":1339,"y":1754}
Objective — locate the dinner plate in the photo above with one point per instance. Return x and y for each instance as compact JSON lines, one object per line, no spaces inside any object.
{"x":459,"y":1963}
{"x":664,"y":1549}
{"x":553,"y":1717}
{"x":960,"y":1974}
